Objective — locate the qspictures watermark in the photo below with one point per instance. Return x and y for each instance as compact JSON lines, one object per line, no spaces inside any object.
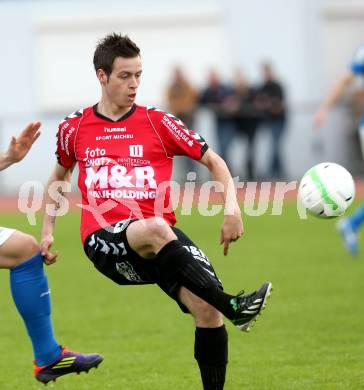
{"x":259,"y":198}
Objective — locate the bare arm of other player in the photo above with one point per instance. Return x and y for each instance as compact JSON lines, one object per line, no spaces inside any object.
{"x":10,"y":254}
{"x":333,"y":96}
{"x":59,"y":174}
{"x":20,"y":146}
{"x":232,"y":227}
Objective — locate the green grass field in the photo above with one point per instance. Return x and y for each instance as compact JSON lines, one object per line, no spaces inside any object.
{"x":311,"y":335}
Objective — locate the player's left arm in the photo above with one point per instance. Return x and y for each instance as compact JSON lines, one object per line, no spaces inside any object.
{"x":178,"y":140}
{"x":232,"y":227}
{"x":20,"y":146}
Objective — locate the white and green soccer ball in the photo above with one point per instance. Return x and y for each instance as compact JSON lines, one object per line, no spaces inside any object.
{"x":326,"y":190}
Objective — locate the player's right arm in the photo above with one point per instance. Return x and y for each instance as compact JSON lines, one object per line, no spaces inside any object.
{"x":333,"y":96}
{"x":62,"y":172}
{"x":59,"y":173}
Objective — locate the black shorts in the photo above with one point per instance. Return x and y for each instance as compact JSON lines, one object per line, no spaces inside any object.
{"x":111,"y":254}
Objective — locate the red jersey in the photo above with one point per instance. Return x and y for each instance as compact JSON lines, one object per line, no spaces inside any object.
{"x":124,"y":166}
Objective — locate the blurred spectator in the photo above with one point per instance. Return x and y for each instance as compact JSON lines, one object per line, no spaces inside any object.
{"x":271,"y":100}
{"x":182,"y":100}
{"x":217,"y":97}
{"x":181,"y":97}
{"x":247,"y":116}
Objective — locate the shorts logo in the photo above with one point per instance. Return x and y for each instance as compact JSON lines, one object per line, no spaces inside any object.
{"x":136,"y":150}
{"x":126,"y":269}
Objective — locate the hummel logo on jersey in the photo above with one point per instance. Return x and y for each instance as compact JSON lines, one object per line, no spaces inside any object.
{"x":136,"y":150}
{"x":114,"y":129}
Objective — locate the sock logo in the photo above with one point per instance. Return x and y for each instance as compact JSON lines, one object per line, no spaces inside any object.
{"x":45,"y":293}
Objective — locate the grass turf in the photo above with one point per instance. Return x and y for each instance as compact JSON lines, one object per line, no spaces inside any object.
{"x":310,"y":336}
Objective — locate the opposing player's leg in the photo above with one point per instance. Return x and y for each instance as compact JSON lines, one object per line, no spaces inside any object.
{"x":19,"y":252}
{"x":67,"y":362}
{"x":155,"y":240}
{"x":348,"y":230}
{"x":16,"y":247}
{"x":348,"y":227}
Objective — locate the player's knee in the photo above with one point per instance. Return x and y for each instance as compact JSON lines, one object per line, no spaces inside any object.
{"x":148,"y":236}
{"x":159,"y":230}
{"x":28,"y":247}
{"x":17,"y":249}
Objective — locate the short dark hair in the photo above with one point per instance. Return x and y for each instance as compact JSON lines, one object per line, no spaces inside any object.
{"x":112,"y":46}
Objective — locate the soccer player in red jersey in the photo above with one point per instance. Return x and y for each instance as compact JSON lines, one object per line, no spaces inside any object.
{"x":124,"y":153}
{"x":20,"y":253}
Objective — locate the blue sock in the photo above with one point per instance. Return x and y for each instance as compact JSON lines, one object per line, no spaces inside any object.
{"x":29,"y":286}
{"x":357,"y":219}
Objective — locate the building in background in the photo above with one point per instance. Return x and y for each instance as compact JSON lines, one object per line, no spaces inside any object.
{"x":47,"y":65}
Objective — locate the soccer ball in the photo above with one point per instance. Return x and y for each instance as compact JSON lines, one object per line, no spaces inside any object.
{"x":326,"y":190}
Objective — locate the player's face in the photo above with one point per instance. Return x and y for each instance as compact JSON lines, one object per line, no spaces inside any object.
{"x":122,"y":84}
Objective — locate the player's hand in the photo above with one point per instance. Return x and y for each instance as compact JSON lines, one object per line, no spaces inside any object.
{"x":231,"y":230}
{"x":45,"y":246}
{"x":320,"y":118}
{"x":20,"y":146}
